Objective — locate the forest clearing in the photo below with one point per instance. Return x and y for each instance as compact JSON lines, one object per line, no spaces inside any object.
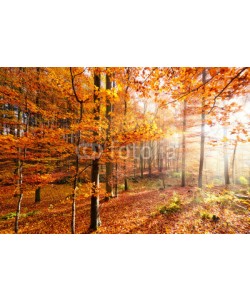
{"x":124,"y":150}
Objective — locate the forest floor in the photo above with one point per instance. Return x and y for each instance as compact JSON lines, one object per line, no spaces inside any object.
{"x":145,"y":208}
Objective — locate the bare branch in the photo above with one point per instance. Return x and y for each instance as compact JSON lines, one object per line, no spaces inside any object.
{"x":149,"y":75}
{"x":73,"y":86}
{"x":197,"y":88}
{"x":225,"y":87}
{"x":84,"y":169}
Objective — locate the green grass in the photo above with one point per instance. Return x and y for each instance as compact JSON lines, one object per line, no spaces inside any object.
{"x":13,"y":215}
{"x":8,"y":216}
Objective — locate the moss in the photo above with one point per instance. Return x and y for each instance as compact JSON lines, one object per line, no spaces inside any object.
{"x":13,"y":215}
{"x":8,"y":216}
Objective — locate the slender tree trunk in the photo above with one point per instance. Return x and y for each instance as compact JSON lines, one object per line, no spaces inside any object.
{"x":163,"y":181}
{"x":124,"y":123}
{"x":135,"y":160}
{"x":126,"y":187}
{"x":77,"y":163}
{"x":75,"y":186}
{"x":109,"y":163}
{"x":95,"y":217}
{"x":109,"y":187}
{"x":150,"y":158}
{"x":183,"y":164}
{"x":37,"y":115}
{"x":141,"y":159}
{"x":202,"y":143}
{"x":202,"y":151}
{"x":20,"y":190}
{"x":20,"y":170}
{"x":226,"y":172}
{"x":37,"y":122}
{"x":116,"y":179}
{"x":95,"y":221}
{"x":233,"y":163}
{"x":159,"y":165}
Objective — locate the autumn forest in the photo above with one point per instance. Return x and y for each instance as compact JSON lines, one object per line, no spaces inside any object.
{"x":124,"y":150}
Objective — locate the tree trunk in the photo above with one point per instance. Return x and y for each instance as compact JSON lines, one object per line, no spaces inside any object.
{"x":141,"y":159}
{"x":95,"y":221}
{"x":183,"y":164}
{"x":77,"y":163}
{"x":20,"y":173}
{"x":159,"y":157}
{"x":150,"y":158}
{"x":109,"y":187}
{"x":73,"y":219}
{"x":109,"y":163}
{"x":124,"y":124}
{"x":233,"y":163}
{"x":20,"y":190}
{"x":202,"y":143}
{"x":116,"y":179}
{"x":38,"y":194}
{"x":226,"y":172}
{"x":135,"y":160}
{"x":125,"y":176}
{"x":126,"y":187}
{"x":95,"y":217}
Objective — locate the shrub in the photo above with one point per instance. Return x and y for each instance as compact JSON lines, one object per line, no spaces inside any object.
{"x":224,"y":198}
{"x":206,"y":215}
{"x":243,"y":180}
{"x":174,"y":205}
{"x":176,"y":198}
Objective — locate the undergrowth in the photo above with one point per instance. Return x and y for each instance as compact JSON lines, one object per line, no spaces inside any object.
{"x":173,"y":206}
{"x":13,"y":215}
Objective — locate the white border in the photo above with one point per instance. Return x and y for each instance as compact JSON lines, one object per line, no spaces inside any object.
{"x":124,"y":33}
